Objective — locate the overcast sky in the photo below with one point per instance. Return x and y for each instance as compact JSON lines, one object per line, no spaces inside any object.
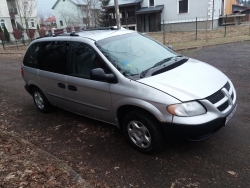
{"x":44,"y":6}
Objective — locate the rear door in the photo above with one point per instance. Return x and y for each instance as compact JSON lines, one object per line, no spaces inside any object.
{"x":52,"y":61}
{"x":88,"y":97}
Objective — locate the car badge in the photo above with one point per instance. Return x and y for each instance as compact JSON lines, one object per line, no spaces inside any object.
{"x":226,"y":93}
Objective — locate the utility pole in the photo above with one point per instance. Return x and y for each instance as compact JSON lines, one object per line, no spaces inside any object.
{"x":213,"y":16}
{"x":117,"y":13}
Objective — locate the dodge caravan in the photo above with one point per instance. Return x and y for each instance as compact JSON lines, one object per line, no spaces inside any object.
{"x":127,"y":79}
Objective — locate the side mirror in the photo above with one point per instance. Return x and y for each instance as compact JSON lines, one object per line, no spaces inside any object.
{"x":170,"y":47}
{"x":98,"y":74}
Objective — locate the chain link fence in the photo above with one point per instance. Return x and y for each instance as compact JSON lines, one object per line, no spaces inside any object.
{"x":201,"y":31}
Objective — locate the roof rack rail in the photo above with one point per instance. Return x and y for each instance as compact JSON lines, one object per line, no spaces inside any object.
{"x":101,"y":28}
{"x":47,"y":35}
{"x":73,"y":34}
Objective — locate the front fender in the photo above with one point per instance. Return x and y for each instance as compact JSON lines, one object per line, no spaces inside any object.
{"x":139,"y":103}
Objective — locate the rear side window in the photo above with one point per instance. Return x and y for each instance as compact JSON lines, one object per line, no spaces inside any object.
{"x":53,"y":56}
{"x":31,"y":56}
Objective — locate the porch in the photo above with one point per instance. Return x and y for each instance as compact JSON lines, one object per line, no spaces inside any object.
{"x":127,"y":16}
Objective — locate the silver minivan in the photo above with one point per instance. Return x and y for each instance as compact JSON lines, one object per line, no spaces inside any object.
{"x":127,"y":79}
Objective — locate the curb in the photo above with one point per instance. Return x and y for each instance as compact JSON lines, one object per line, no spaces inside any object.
{"x":74,"y":176}
{"x":210,"y":45}
{"x":11,"y":53}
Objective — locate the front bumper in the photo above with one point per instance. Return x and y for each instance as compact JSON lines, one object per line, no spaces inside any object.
{"x":196,"y":131}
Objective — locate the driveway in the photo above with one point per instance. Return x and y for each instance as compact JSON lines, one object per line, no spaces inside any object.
{"x":99,"y":153}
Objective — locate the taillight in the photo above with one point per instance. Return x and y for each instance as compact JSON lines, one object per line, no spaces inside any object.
{"x":22,"y":72}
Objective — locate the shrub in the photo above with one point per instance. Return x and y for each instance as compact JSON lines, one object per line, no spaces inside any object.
{"x":6,"y":34}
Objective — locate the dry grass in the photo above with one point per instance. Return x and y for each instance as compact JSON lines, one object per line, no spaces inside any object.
{"x":182,"y":40}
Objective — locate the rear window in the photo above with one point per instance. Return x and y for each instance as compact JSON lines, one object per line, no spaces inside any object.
{"x":48,"y":56}
{"x":53,"y":56}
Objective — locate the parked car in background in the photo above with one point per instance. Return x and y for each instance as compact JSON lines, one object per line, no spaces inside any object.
{"x":130,"y":80}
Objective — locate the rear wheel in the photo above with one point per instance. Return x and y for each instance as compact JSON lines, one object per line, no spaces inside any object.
{"x":142,"y":132}
{"x":41,"y":101}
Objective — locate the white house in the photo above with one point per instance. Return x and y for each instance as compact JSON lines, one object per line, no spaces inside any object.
{"x":71,"y":13}
{"x":179,"y":15}
{"x":18,"y":14}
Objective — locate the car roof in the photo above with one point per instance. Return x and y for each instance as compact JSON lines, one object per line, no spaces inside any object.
{"x":102,"y":34}
{"x":95,"y":34}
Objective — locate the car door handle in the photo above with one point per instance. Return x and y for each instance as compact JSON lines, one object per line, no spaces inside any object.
{"x":72,"y":88}
{"x":61,"y":85}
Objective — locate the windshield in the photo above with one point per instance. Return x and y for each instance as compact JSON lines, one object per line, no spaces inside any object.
{"x":133,"y":53}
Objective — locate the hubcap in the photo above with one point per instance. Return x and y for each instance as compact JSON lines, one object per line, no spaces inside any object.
{"x":39,"y":100}
{"x":139,"y":134}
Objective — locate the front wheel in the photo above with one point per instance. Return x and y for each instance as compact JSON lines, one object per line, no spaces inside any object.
{"x":142,"y":132}
{"x":41,"y":101}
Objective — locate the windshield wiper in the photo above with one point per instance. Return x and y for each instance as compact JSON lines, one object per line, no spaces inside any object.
{"x":143,"y":73}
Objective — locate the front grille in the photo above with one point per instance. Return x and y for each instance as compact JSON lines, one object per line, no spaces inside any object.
{"x":216,"y":97}
{"x":223,"y":106}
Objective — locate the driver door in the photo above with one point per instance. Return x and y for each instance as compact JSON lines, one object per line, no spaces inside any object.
{"x":88,"y":97}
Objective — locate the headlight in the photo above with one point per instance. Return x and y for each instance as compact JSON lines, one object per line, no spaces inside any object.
{"x":186,"y":109}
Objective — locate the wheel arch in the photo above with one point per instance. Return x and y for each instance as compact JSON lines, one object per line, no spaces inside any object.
{"x":127,"y":105}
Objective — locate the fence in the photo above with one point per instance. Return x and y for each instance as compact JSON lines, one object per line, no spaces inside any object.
{"x":202,"y":30}
{"x":19,"y":39}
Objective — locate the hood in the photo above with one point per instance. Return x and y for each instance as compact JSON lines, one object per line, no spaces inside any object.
{"x":191,"y":81}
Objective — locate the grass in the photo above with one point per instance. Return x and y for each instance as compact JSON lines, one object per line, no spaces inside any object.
{"x":184,"y":40}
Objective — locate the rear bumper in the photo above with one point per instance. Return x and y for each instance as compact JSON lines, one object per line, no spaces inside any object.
{"x":28,"y":89}
{"x":195,"y":132}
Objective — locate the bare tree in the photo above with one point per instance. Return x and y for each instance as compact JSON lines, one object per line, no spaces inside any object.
{"x":43,"y":16}
{"x":66,"y":17}
{"x":27,"y":11}
{"x":88,"y":12}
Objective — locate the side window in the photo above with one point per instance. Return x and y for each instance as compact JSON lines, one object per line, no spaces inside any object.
{"x":53,"y":56}
{"x":83,"y":59}
{"x":30,"y":59}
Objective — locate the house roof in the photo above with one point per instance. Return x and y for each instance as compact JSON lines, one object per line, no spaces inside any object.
{"x":51,"y":19}
{"x":77,"y":2}
{"x":144,"y":10}
{"x":122,"y":3}
{"x":238,"y":8}
{"x":246,"y":11}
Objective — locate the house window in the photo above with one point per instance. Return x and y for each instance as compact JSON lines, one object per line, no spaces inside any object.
{"x":82,"y":8}
{"x":151,"y":3}
{"x":32,"y":23}
{"x":26,"y":6}
{"x":183,"y":6}
{"x":61,"y":23}
{"x":2,"y":23}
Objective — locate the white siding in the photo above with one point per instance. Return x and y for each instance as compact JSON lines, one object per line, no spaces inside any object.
{"x":196,"y":8}
{"x":4,"y":14}
{"x":66,"y":7}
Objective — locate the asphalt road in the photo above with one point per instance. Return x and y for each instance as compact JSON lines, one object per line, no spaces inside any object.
{"x":99,"y":153}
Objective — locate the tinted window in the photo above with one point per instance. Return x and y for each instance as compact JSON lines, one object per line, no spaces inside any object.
{"x":83,"y":59}
{"x":53,"y":56}
{"x":31,"y":55}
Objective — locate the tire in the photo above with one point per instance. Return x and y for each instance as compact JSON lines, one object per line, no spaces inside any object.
{"x":41,"y":102}
{"x":142,"y":132}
